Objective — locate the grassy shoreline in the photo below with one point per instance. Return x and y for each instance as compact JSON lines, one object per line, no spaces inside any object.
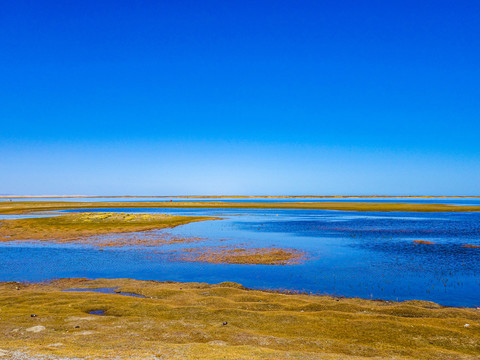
{"x":226,"y":320}
{"x":27,"y":207}
{"x":241,"y":196}
{"x":81,"y":227}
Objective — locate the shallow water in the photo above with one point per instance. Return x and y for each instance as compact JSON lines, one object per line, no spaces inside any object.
{"x":354,"y":254}
{"x":97,"y":312}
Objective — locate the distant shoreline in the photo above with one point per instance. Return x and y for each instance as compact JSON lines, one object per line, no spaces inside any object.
{"x":24,"y":207}
{"x":237,"y":196}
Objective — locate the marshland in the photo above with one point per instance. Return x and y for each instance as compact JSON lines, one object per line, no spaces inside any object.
{"x":229,"y":278}
{"x":239,"y":180}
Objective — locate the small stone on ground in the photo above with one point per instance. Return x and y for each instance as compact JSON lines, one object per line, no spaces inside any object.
{"x":36,"y":329}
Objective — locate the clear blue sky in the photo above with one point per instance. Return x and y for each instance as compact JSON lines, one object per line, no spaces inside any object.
{"x":240,"y":97}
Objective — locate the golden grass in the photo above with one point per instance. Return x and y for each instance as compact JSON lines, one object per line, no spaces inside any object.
{"x":185,"y":321}
{"x":23,"y":207}
{"x":241,"y":196}
{"x":254,"y":256}
{"x":81,"y":226}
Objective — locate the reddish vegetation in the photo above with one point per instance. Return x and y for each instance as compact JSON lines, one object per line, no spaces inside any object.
{"x":258,"y":256}
{"x":471,"y":246}
{"x":423,"y":242}
{"x":143,"y":239}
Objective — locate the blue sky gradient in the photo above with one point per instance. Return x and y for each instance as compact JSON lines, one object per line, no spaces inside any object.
{"x":247,"y":97}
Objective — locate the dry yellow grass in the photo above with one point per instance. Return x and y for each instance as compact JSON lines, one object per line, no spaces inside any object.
{"x":81,"y":226}
{"x":185,"y":321}
{"x":254,"y":256}
{"x":241,"y":196}
{"x":22,"y":207}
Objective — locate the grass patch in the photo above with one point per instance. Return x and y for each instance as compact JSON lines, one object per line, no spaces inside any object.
{"x":22,"y":207}
{"x":186,"y":320}
{"x":255,"y":256}
{"x":82,"y":226}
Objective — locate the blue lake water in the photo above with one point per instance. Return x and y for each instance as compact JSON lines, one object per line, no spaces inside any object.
{"x":353,"y":254}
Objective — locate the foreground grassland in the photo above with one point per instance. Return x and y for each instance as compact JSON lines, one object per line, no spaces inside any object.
{"x":79,"y":226}
{"x":25,"y":207}
{"x":224,"y":321}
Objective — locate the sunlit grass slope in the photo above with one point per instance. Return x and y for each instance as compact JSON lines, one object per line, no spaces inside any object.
{"x":75,"y":226}
{"x":226,"y":321}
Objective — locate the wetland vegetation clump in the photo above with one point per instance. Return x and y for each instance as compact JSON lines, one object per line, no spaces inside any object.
{"x":254,"y":256}
{"x":82,"y":226}
{"x":424,"y":242}
{"x":186,"y":320}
